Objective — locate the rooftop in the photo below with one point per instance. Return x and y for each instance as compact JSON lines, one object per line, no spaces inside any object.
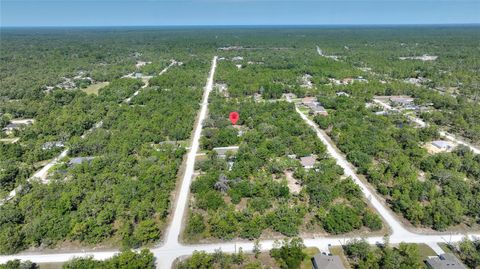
{"x":79,"y":160}
{"x":445,"y":261}
{"x":441,"y":144}
{"x":222,"y":151}
{"x":322,"y":261}
{"x":308,"y":161}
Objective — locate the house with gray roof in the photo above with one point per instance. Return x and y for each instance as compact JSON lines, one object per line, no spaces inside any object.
{"x":444,"y":261}
{"x":401,"y":100}
{"x":322,"y":261}
{"x":79,"y":160}
{"x":440,"y":144}
{"x":222,"y":151}
{"x":318,"y":110}
{"x":52,"y":144}
{"x":308,"y":161}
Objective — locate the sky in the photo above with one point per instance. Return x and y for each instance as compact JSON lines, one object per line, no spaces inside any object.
{"x":235,"y":12}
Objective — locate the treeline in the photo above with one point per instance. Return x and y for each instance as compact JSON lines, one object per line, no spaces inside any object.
{"x":287,"y":254}
{"x":34,"y":59}
{"x":124,"y":260}
{"x":362,"y":255}
{"x":270,"y":73}
{"x":468,"y":251}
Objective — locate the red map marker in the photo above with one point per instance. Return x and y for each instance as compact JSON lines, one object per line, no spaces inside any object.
{"x":234,"y":117}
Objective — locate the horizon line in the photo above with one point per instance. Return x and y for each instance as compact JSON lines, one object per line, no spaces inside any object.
{"x":241,"y":25}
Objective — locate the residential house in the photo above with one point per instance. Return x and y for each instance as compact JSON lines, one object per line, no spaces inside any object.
{"x":443,"y":145}
{"x":308,"y":161}
{"x":323,"y":261}
{"x":79,"y":160}
{"x":317,"y":109}
{"x":401,"y":100}
{"x":11,"y":127}
{"x":222,"y":151}
{"x":308,"y":100}
{"x":444,"y":261}
{"x":52,"y":144}
{"x":16,"y":125}
{"x":289,"y":96}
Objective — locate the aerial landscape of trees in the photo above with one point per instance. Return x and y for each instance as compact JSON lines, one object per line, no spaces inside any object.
{"x":126,"y":139}
{"x":428,"y":190}
{"x":120,"y":193}
{"x":251,"y":192}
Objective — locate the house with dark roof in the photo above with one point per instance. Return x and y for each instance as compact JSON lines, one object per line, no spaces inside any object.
{"x":13,"y":126}
{"x":444,"y":261}
{"x":322,"y":261}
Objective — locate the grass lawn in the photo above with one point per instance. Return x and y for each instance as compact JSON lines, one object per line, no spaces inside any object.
{"x":93,"y":89}
{"x":424,"y":252}
{"x":445,"y":247}
{"x":304,"y":110}
{"x":307,"y":263}
{"x":338,"y":250}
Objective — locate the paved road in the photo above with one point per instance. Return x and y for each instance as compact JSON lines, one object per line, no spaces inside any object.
{"x":173,"y":249}
{"x":388,"y":216}
{"x":175,"y":227}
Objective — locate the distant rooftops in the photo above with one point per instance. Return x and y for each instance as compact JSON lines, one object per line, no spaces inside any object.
{"x":444,"y":261}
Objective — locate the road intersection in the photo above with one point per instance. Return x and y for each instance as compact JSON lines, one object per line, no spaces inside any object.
{"x":172,"y":248}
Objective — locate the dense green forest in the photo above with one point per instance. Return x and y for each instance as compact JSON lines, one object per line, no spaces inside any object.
{"x":121,"y":195}
{"x":250,"y":193}
{"x":130,"y":178}
{"x":438,"y":191}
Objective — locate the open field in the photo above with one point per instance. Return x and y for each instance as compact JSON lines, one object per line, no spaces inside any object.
{"x":93,"y":89}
